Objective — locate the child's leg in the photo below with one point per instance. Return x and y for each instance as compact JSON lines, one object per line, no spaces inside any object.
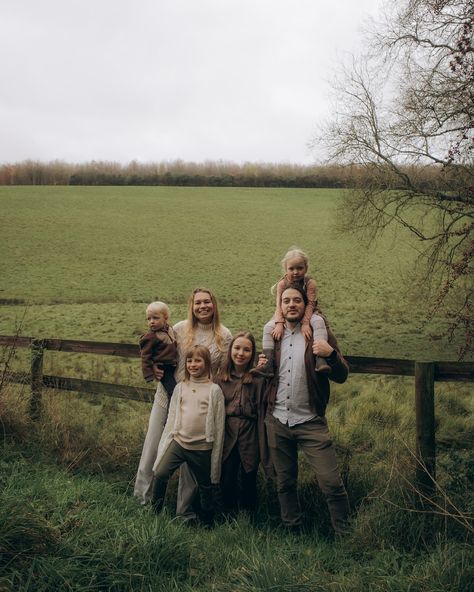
{"x":156,"y":424}
{"x":229,"y":480}
{"x":245,"y":496}
{"x":268,"y":347}
{"x":249,"y":490}
{"x":199,"y":461}
{"x":319,"y":327}
{"x":320,"y":332}
{"x":171,"y":460}
{"x":187,"y":494}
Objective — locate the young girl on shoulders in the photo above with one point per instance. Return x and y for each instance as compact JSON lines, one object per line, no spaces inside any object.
{"x":244,"y":431}
{"x":295,"y":267}
{"x":193,"y":434}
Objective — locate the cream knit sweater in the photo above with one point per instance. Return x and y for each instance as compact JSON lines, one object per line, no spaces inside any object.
{"x":203,"y":335}
{"x":214,"y":431}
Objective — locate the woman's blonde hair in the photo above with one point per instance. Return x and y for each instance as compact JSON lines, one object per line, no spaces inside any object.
{"x":199,"y":351}
{"x":193,"y":322}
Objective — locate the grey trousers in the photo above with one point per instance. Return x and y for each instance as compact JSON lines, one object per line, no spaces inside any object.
{"x":314,"y":439}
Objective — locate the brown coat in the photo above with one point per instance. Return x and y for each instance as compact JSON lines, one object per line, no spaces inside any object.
{"x":245,"y":412}
{"x":159,"y":349}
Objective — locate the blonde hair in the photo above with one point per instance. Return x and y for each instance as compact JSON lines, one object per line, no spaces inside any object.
{"x":161,"y":306}
{"x":192,"y":321}
{"x":199,"y":351}
{"x":292,"y":253}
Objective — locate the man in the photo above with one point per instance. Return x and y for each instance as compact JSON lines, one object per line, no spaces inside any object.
{"x":297,"y":400}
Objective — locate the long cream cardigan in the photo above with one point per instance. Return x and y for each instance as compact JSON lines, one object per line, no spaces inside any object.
{"x":215,"y":421}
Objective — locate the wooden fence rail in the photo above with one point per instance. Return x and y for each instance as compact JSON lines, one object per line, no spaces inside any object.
{"x":425,"y":373}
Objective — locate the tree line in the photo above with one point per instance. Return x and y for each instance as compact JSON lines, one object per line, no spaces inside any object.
{"x":191,"y":174}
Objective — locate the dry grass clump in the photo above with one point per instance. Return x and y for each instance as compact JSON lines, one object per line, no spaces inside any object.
{"x":14,"y":421}
{"x":99,"y":435}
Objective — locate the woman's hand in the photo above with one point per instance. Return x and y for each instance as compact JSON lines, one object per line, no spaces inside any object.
{"x":278,"y":331}
{"x":262,"y":360}
{"x":158,"y":373}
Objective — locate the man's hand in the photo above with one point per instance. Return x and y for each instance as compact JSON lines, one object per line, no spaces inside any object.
{"x":278,"y":331}
{"x":322,"y":348}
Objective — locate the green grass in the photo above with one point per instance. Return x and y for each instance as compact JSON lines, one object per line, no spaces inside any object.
{"x":62,"y":531}
{"x":86,"y":260}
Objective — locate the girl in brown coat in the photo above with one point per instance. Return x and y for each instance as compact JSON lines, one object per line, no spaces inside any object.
{"x":244,"y":407}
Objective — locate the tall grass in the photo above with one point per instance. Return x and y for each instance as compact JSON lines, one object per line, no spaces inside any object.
{"x":69,"y":522}
{"x":63,"y":532}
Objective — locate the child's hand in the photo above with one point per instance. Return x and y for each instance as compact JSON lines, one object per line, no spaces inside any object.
{"x":306,"y":330}
{"x":277,"y":331}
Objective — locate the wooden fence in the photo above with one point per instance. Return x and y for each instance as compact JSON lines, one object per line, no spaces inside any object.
{"x":425,"y":373}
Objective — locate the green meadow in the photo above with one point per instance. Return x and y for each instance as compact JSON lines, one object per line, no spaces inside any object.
{"x":82,"y":263}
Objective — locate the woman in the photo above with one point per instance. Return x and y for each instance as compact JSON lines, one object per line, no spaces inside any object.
{"x":202,"y":327}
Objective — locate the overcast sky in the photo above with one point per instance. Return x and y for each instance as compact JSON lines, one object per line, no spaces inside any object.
{"x":153,"y":80}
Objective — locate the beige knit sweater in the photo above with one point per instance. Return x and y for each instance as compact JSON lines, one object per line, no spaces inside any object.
{"x":203,"y":335}
{"x":215,"y":421}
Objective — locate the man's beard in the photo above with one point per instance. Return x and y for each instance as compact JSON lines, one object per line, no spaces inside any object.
{"x":294,"y":319}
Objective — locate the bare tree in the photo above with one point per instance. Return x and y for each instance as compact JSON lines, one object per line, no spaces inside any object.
{"x":405,"y":119}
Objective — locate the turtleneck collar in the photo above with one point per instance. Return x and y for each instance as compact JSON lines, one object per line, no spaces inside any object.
{"x":202,"y":379}
{"x":205,"y":326}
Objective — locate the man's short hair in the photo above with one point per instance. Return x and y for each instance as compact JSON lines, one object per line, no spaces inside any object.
{"x":298,"y":289}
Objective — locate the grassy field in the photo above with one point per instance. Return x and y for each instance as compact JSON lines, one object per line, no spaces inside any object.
{"x":82,"y":263}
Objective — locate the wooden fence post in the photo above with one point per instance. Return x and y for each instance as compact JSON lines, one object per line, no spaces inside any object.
{"x":37,"y":350}
{"x":425,"y":427}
